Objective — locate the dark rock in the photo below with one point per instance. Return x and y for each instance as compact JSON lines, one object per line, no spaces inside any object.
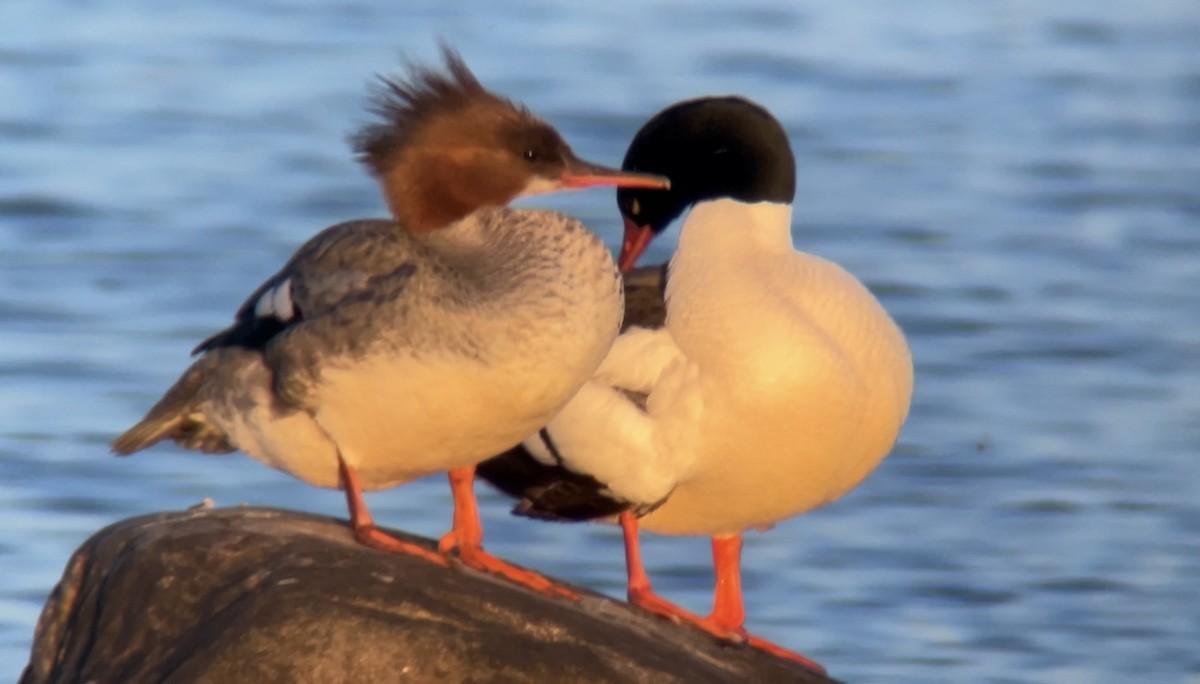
{"x":256,"y":595}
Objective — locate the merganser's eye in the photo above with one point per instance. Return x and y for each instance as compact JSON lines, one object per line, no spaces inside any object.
{"x":531,"y":155}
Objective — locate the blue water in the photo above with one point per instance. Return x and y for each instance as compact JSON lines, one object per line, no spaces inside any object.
{"x":1019,"y":181}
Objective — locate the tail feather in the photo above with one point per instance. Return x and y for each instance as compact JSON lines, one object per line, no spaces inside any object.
{"x":188,"y":431}
{"x":177,"y":416}
{"x":145,"y":434}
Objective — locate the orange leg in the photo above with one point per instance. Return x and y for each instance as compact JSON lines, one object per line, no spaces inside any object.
{"x":642,"y":595}
{"x":467,"y":537}
{"x":364,"y":527}
{"x":729,"y":614}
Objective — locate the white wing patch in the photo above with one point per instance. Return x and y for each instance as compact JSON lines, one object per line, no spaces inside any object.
{"x":276,"y":302}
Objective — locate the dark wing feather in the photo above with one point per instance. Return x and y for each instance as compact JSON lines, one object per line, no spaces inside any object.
{"x":251,"y":332}
{"x":549,"y":492}
{"x":553,"y":492}
{"x":645,"y":297}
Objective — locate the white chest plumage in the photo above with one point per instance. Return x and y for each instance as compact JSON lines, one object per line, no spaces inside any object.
{"x":777,"y":385}
{"x":803,"y":377}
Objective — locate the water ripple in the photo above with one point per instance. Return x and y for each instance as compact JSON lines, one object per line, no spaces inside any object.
{"x":1016,"y":184}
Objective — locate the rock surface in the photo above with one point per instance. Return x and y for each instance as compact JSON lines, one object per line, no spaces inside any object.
{"x":263,"y":596}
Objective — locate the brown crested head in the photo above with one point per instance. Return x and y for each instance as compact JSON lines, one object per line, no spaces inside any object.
{"x":445,"y":146}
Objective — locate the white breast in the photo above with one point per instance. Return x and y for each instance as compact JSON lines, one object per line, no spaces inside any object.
{"x":805,"y":379}
{"x":787,"y":386}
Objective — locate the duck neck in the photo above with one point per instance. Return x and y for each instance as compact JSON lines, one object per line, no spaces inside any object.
{"x":718,"y":235}
{"x":721,"y":275}
{"x":480,"y":248}
{"x":465,"y":240}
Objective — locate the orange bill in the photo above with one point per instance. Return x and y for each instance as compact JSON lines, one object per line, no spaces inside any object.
{"x":635,"y":242}
{"x":582,"y":174}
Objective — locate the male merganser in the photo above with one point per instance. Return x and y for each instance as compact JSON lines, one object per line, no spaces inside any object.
{"x":776,"y":384}
{"x":386,"y":350}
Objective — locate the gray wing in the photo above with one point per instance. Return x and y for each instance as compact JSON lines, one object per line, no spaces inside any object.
{"x":340,"y":262}
{"x":340,"y":267}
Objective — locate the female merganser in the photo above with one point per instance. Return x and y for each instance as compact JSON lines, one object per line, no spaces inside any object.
{"x":388,"y":350}
{"x":776,"y":384}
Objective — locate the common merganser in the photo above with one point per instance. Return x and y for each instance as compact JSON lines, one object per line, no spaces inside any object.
{"x":386,"y":350}
{"x":776,"y":385}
